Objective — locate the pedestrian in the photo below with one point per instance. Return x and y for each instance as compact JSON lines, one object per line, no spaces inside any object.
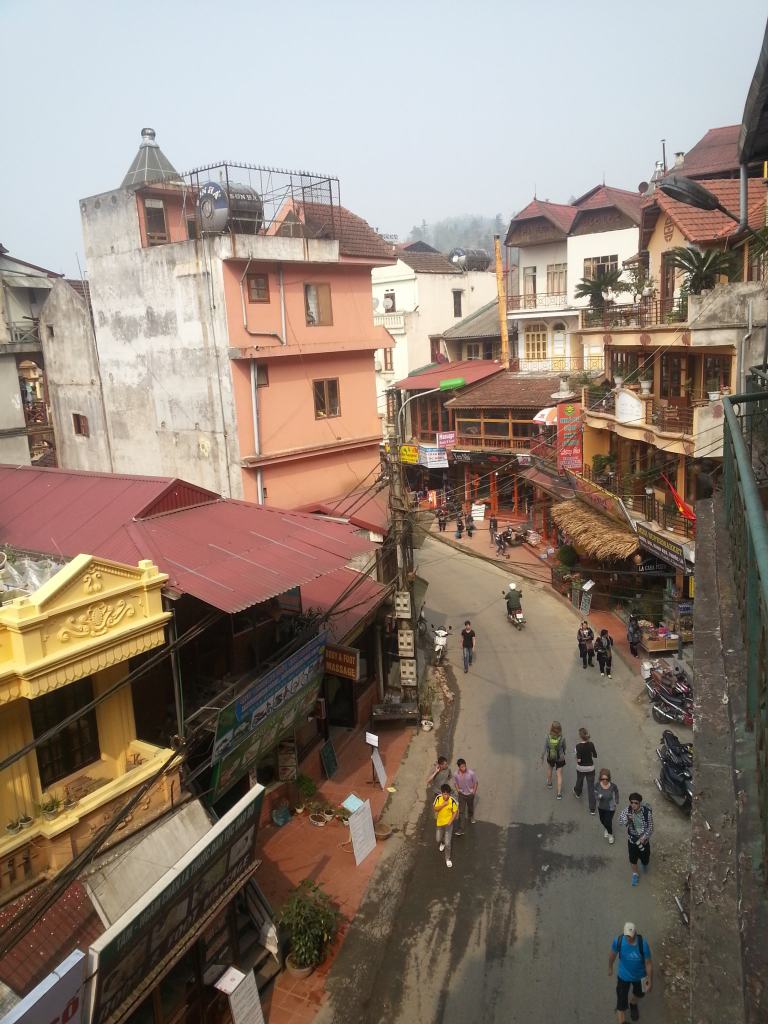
{"x":501,"y":544}
{"x":493,"y":526}
{"x":634,"y":636}
{"x":585,"y":638}
{"x":465,"y":781}
{"x":445,"y":808}
{"x":440,"y":776}
{"x":603,"y":646}
{"x":638,"y":817}
{"x":607,"y":796}
{"x":635,"y":971}
{"x":468,"y":644}
{"x":585,"y":768}
{"x":459,"y":526}
{"x":554,"y":752}
{"x":442,"y":519}
{"x":470,"y":527}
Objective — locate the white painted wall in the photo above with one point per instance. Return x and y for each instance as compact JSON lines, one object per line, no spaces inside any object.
{"x":540,"y":256}
{"x":624,"y":243}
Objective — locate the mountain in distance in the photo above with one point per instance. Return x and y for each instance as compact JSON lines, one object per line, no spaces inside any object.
{"x":468,"y":231}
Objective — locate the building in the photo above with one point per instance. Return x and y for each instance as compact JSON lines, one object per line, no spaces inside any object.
{"x":26,"y":426}
{"x":233,"y":331}
{"x":416,"y":299}
{"x":477,"y":336}
{"x":559,"y":245}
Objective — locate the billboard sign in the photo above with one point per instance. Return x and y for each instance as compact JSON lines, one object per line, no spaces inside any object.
{"x":569,"y":436}
{"x":670,"y":551}
{"x":596,"y":496}
{"x":142,"y":945}
{"x":446,"y":438}
{"x":432,"y":457}
{"x":409,"y":454}
{"x":58,"y":999}
{"x":342,"y":661}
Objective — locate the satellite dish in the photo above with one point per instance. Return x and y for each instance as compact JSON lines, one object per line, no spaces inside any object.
{"x":376,"y":302}
{"x":388,"y":303}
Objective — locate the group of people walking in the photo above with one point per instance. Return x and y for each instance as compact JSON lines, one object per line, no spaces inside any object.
{"x":454,"y":797}
{"x":591,"y":646}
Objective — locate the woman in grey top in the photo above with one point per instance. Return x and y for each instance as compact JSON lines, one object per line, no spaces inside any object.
{"x":607,"y":796}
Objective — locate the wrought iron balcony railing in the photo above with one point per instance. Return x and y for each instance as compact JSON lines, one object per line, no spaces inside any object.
{"x":542,"y":300}
{"x":646,"y":313}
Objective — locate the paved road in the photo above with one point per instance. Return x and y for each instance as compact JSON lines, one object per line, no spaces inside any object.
{"x":518,"y":930}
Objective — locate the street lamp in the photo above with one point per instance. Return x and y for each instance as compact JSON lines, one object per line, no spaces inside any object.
{"x":691,"y":193}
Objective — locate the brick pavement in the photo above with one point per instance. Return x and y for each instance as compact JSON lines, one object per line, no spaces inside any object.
{"x":299,"y":850}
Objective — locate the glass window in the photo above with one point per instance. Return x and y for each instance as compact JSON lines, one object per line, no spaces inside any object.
{"x":457,"y":303}
{"x":388,"y":365}
{"x":536,"y":341}
{"x":73,"y":746}
{"x":326,"y":394}
{"x":154,"y":218}
{"x":80,"y":424}
{"x":529,"y":287}
{"x":496,"y":428}
{"x":390,"y":302}
{"x":258,"y":287}
{"x":599,"y":266}
{"x":262,"y":375}
{"x":717,"y":372}
{"x":556,"y":278}
{"x":317,"y":305}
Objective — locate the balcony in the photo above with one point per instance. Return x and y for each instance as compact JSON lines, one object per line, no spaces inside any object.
{"x":646,"y":313}
{"x":393,"y":322}
{"x":566,"y":364}
{"x":36,"y":414}
{"x":24,"y":334}
{"x":631,"y":490}
{"x":542,"y":300}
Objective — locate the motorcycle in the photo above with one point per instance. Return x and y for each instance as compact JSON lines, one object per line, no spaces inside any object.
{"x":669,"y":707}
{"x":676,"y":786}
{"x":674,"y":751}
{"x":441,"y":642}
{"x":516,"y":616}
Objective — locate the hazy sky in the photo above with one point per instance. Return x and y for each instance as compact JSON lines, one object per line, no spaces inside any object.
{"x":423,"y":109}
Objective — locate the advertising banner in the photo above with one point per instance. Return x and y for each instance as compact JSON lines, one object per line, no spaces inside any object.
{"x":596,"y":496}
{"x":58,"y":999}
{"x":446,"y":438}
{"x":265,"y":695}
{"x":409,"y":454}
{"x":569,"y":436}
{"x":342,"y":661}
{"x":669,"y":550}
{"x":432,"y":457}
{"x":143,"y":944}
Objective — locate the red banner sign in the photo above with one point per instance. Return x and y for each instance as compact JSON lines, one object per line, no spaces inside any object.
{"x":569,"y":436}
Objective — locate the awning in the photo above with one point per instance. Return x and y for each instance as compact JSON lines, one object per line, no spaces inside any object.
{"x":547,"y":416}
{"x":26,"y":281}
{"x":593,"y":534}
{"x":552,"y":485}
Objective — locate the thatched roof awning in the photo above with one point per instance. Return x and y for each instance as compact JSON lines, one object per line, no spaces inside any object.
{"x":594,"y":534}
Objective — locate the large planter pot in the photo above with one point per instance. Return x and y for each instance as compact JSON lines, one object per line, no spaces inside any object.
{"x":329,"y":815}
{"x":645,"y":387}
{"x":297,"y":972}
{"x":318,"y":820}
{"x":618,"y":381}
{"x":25,"y":821}
{"x":713,"y":396}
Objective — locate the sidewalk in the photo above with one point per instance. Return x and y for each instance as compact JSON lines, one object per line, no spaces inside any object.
{"x":299,"y":850}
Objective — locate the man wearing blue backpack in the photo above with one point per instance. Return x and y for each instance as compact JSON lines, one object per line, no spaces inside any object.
{"x":635,"y":971}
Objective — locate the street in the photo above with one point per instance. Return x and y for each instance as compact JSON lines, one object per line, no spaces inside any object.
{"x":519,"y":929}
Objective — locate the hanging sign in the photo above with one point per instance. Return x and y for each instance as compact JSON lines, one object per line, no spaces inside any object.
{"x":569,"y":435}
{"x":342,"y":661}
{"x":671,"y":551}
{"x":446,"y":438}
{"x":409,"y":454}
{"x":432,"y":457}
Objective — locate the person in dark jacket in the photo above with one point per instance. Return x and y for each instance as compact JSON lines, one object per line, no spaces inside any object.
{"x":634,"y":636}
{"x":585,"y":638}
{"x":604,"y":652}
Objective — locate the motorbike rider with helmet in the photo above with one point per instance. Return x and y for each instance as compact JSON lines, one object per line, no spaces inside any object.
{"x":514,"y":599}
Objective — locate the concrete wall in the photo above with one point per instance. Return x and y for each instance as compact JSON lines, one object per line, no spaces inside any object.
{"x":14,"y":447}
{"x":541,"y":256}
{"x":300,"y":482}
{"x":623,"y":243}
{"x":162,"y":340}
{"x":74,"y":384}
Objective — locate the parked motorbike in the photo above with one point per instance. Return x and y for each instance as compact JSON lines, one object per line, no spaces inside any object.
{"x":667,"y":706}
{"x":674,"y":751}
{"x":441,"y":642}
{"x":676,"y":786}
{"x":421,"y":623}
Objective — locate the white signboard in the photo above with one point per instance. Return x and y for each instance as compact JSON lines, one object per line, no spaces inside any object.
{"x":372,"y":738}
{"x":629,"y":408}
{"x":378,"y":764}
{"x":243,"y":993}
{"x":58,"y":999}
{"x":432,"y":457}
{"x":361,"y":832}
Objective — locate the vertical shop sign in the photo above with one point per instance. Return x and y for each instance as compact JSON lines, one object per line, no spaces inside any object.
{"x":569,"y":436}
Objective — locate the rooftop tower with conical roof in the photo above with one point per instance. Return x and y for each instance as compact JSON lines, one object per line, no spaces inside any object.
{"x":150,"y":164}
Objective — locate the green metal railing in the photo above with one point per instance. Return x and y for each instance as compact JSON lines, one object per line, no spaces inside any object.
{"x":745,"y":476}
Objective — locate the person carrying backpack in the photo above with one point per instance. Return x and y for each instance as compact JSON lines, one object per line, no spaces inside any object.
{"x":603,"y":650}
{"x":638,"y":817}
{"x":635,"y":971}
{"x":554,"y":752}
{"x":445,"y":807}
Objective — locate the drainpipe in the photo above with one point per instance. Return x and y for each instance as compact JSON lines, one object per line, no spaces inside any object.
{"x":743,"y":205}
{"x":256,"y":437}
{"x":284,"y":338}
{"x":740,"y":374}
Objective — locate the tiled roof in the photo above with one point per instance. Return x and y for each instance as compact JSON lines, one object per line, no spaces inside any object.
{"x":716,"y":153}
{"x":559,"y":214}
{"x":508,"y":390}
{"x":418,"y":247}
{"x":71,"y":923}
{"x":603,"y":196}
{"x":483,"y":323}
{"x":356,"y":236}
{"x":701,"y":226}
{"x":353,"y":609}
{"x":427,"y":262}
{"x":471,"y":370}
{"x":229,"y":554}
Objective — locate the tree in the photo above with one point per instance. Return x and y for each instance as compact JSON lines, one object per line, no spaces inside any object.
{"x":702,"y":268}
{"x":593,"y":288}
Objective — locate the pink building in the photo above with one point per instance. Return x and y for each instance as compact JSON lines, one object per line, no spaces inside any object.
{"x":234,"y":332}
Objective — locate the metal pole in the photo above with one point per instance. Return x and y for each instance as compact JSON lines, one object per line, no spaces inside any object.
{"x":178,"y":695}
{"x":502,"y":300}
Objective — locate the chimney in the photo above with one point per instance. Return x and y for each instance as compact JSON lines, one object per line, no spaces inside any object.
{"x":565,"y":393}
{"x":679,"y":158}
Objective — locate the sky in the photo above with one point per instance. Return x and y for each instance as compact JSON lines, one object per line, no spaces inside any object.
{"x":423,"y":109}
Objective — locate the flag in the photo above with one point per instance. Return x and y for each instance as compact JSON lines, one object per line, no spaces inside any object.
{"x":685,"y":510}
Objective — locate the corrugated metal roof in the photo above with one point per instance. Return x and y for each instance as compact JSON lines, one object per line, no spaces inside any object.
{"x":150,"y":164}
{"x":483,"y":323}
{"x":470,"y":369}
{"x":367,"y":511}
{"x":229,"y":554}
{"x":353,"y":609}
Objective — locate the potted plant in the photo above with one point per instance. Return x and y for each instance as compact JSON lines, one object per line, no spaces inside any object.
{"x":343,"y":815}
{"x":600,"y":464}
{"x":25,"y":820}
{"x":329,"y":812}
{"x":713,"y":389}
{"x":13,"y":827}
{"x":646,"y":381}
{"x":311,"y":919}
{"x":281,"y":814}
{"x":307,"y":790}
{"x":316,"y":816}
{"x":50,"y":805}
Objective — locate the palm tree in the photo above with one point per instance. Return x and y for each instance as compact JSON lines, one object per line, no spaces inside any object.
{"x":592,"y":288}
{"x":702,"y":268}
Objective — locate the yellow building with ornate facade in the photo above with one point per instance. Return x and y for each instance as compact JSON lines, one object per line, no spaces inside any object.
{"x":64,"y":650}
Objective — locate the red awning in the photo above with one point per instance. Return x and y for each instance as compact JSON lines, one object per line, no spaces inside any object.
{"x":472,"y":370}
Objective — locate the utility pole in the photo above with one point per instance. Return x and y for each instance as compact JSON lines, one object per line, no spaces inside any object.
{"x":502,"y":299}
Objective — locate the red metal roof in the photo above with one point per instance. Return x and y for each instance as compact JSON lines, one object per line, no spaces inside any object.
{"x":229,"y":554}
{"x":71,"y":923}
{"x":470,"y":369}
{"x":368,"y":511}
{"x":509,"y":390}
{"x":353,"y":609}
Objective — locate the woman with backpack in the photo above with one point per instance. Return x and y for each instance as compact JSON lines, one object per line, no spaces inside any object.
{"x":603,"y":646}
{"x":554,"y":752}
{"x":607,"y":797}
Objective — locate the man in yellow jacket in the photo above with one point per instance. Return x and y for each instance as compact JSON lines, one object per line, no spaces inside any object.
{"x":445,"y":807}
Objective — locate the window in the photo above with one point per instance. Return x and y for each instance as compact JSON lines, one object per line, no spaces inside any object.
{"x":388,"y":359}
{"x":326,"y":394}
{"x":72,"y":747}
{"x":262,"y":375}
{"x":434,"y":350}
{"x":317,"y":305}
{"x":717,"y":370}
{"x":556,"y":278}
{"x":258,"y":287}
{"x":457,"y":303}
{"x":80,"y":424}
{"x":536,"y":341}
{"x":390,"y":303}
{"x":473,"y":350}
{"x":391,"y":405}
{"x":529,"y":287}
{"x":154,"y":218}
{"x":599,"y":266}
{"x":49,"y":332}
{"x":191,"y":227}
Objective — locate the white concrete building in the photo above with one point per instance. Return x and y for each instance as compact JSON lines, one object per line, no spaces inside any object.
{"x":417,"y":299}
{"x":558,"y":246}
